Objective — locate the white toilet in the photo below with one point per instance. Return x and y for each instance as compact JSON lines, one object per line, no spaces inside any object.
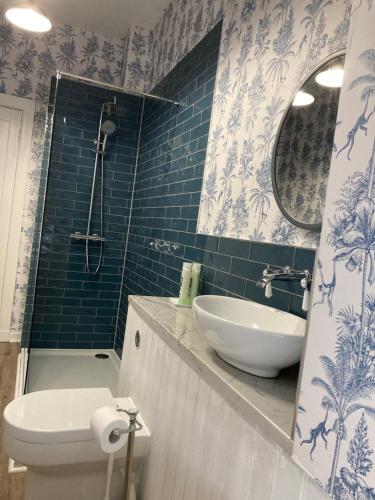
{"x":49,"y":432}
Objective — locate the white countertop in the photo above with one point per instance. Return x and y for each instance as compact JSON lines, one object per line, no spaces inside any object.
{"x":268,"y":403}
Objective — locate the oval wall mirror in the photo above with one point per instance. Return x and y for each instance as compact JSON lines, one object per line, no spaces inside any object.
{"x":304,"y":145}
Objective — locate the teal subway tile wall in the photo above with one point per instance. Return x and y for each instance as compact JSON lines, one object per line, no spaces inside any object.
{"x":71,"y":308}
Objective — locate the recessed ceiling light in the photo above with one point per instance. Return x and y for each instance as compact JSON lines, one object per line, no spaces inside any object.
{"x":28,"y":17}
{"x":332,"y":77}
{"x":303,"y":99}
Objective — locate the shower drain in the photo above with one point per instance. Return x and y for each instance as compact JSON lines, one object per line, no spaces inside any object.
{"x":101,"y":356}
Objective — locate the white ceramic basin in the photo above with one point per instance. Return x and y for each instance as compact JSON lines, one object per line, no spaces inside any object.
{"x":257,"y":339}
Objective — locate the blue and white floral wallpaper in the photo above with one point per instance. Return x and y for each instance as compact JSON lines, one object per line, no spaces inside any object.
{"x":335,"y":439}
{"x":267,"y":48}
{"x":27,"y":62}
{"x":137,"y":57}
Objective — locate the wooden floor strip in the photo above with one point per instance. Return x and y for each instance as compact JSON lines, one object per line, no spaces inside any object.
{"x":11,"y":486}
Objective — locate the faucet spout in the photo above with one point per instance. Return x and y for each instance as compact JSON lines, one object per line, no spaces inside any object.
{"x":264,"y":280}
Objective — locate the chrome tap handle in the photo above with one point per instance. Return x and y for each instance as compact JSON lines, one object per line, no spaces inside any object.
{"x":307,"y":274}
{"x":267,"y":270}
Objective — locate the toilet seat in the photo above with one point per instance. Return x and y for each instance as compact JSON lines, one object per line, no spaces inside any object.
{"x":55,"y":416}
{"x":52,"y":427}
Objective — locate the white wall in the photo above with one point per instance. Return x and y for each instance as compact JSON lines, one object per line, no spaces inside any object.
{"x":201,"y":448}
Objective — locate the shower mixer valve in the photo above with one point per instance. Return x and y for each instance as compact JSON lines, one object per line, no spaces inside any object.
{"x":87,"y":237}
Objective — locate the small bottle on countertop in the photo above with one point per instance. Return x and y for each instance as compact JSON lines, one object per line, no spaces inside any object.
{"x":195,"y":276}
{"x":183,"y":298}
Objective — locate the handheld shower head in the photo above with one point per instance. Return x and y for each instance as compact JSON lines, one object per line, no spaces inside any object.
{"x":108,"y":127}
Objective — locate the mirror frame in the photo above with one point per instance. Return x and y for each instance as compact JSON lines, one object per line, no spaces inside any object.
{"x":290,"y":218}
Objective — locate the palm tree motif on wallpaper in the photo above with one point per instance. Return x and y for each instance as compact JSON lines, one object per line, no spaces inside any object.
{"x":368,"y":81}
{"x":260,"y":196}
{"x":209,"y":194}
{"x":344,"y":391}
{"x":350,"y":376}
{"x":259,"y":200}
{"x":234,"y":121}
{"x":315,"y":35}
{"x":282,"y":45}
{"x":278,"y":66}
{"x":338,"y":40}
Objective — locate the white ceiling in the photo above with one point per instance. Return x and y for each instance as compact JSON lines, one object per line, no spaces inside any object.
{"x":107,"y":17}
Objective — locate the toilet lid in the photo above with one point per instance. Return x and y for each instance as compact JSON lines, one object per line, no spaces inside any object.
{"x":55,"y":416}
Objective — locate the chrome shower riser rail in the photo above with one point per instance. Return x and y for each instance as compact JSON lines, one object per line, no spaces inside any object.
{"x":96,"y":83}
{"x":93,"y":186}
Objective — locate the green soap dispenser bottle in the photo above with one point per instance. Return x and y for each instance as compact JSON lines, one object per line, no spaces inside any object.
{"x":184,"y":296}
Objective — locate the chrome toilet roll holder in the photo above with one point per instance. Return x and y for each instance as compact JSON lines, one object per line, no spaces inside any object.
{"x":134,"y":426}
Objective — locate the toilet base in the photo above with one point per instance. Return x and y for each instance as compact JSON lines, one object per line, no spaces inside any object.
{"x":78,"y":482}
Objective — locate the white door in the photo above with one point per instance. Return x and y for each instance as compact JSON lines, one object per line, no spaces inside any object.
{"x":14,"y":154}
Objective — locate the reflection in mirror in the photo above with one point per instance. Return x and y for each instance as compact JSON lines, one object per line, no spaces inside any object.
{"x":304,"y":146}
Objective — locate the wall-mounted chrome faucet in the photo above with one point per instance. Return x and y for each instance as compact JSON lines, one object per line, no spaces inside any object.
{"x":286,"y":274}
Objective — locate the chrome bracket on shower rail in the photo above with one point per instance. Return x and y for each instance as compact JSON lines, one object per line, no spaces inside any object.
{"x":87,"y":237}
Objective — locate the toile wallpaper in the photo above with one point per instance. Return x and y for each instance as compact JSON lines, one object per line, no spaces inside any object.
{"x":304,"y":152}
{"x":137,"y":58}
{"x":27,"y":63}
{"x":334,"y":439}
{"x":267,"y":49}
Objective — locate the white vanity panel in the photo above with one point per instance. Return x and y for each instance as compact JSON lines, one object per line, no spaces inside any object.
{"x":201,"y":447}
